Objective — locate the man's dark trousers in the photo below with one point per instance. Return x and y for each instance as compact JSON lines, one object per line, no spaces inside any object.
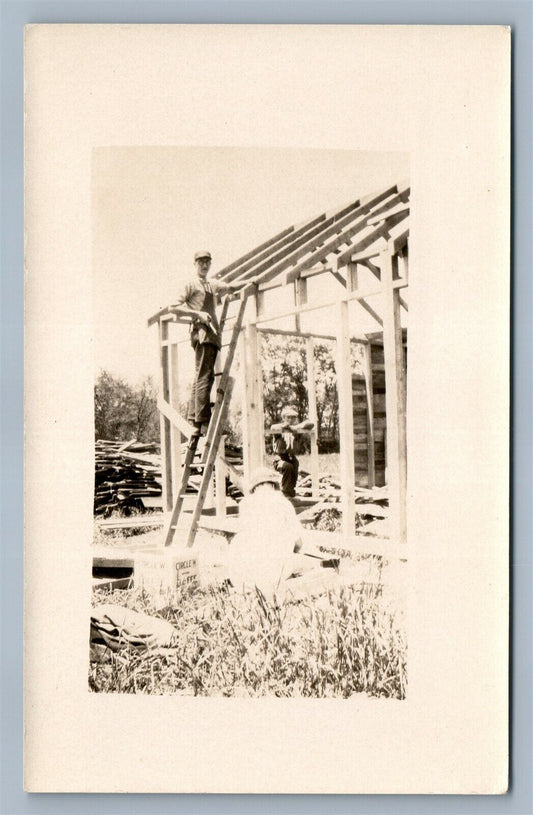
{"x":205,"y":354}
{"x":288,"y":466}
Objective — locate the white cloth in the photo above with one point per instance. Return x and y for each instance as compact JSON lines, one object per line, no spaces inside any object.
{"x":261,"y":553}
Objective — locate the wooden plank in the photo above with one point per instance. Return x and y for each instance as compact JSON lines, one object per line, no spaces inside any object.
{"x":325,"y":544}
{"x":355,"y":295}
{"x":369,"y":389}
{"x":170,"y":312}
{"x":175,"y":433}
{"x":176,"y":418}
{"x":165,"y":429}
{"x":228,"y":524}
{"x":300,"y":299}
{"x":325,"y":249}
{"x":220,"y":479}
{"x":132,"y":522}
{"x":372,"y":251}
{"x":313,"y":232}
{"x":236,"y":477}
{"x":352,"y":283}
{"x":373,"y":233}
{"x":310,"y":241}
{"x":224,"y":272}
{"x":344,"y":390}
{"x":252,"y":408}
{"x":398,"y":240}
{"x":314,"y":467}
{"x":376,"y":219}
{"x":395,"y":401}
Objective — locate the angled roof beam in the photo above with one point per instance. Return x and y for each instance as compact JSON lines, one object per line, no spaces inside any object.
{"x":301,"y":238}
{"x":235,"y":270}
{"x":301,"y":247}
{"x":255,"y":251}
{"x":376,"y":219}
{"x":371,"y":251}
{"x":368,"y":240}
{"x":334,"y":245}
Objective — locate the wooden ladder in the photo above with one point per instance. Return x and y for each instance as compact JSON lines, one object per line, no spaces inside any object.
{"x":212,"y":439}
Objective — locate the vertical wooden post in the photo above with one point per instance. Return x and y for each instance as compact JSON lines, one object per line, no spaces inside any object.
{"x":166,"y":441}
{"x":252,"y":409}
{"x":352,"y":278}
{"x":300,"y":298}
{"x":313,"y":414}
{"x":395,"y":400}
{"x":220,"y":479}
{"x":344,"y":389}
{"x":369,"y":387}
{"x":404,"y":263}
{"x":175,"y":433}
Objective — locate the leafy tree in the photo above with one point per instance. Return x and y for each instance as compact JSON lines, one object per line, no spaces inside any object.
{"x":123,"y":412}
{"x":284,"y":366}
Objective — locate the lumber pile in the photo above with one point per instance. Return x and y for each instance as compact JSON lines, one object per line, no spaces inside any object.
{"x":127,"y":477}
{"x":370,"y":504}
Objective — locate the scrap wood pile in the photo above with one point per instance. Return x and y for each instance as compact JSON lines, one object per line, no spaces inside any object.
{"x":127,"y":477}
{"x":371,"y":504}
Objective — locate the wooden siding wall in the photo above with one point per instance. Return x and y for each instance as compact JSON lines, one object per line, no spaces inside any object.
{"x":360,"y":419}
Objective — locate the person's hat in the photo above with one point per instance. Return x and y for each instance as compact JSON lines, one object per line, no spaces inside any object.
{"x":202,"y":254}
{"x":263,"y":475}
{"x":289,"y":411}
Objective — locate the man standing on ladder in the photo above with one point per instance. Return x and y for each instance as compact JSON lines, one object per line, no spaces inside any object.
{"x":199,"y":297}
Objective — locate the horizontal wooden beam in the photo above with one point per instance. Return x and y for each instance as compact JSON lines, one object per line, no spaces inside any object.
{"x":292,"y":333}
{"x":171,"y":312}
{"x":354,"y":295}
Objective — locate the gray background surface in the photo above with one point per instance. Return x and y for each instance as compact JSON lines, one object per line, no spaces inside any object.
{"x":14,"y":15}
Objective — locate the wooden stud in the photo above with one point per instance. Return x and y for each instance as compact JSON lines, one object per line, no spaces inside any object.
{"x":220,"y":479}
{"x":369,"y":387}
{"x":313,"y":415}
{"x":166,"y":443}
{"x":352,"y":277}
{"x":344,"y":389}
{"x":395,"y":400}
{"x":300,"y":299}
{"x":175,"y":432}
{"x":252,"y":409}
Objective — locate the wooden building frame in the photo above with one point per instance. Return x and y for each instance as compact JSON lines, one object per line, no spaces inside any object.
{"x":363,"y":247}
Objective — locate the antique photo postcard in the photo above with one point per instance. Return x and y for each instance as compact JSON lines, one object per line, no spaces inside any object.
{"x":267,"y":412}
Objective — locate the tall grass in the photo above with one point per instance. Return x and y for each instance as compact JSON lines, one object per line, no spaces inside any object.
{"x":349,"y":640}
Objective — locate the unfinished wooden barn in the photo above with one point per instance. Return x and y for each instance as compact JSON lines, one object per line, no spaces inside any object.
{"x":341,"y":276}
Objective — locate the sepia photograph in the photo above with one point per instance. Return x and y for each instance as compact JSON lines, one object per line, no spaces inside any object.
{"x":250,"y":422}
{"x":266,"y":408}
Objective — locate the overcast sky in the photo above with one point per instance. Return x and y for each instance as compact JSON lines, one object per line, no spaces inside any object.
{"x":153,"y":207}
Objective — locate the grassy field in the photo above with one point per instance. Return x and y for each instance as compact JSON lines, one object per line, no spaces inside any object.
{"x":346,"y":641}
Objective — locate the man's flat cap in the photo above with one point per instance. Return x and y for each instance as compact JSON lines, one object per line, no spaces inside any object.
{"x":202,"y":254}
